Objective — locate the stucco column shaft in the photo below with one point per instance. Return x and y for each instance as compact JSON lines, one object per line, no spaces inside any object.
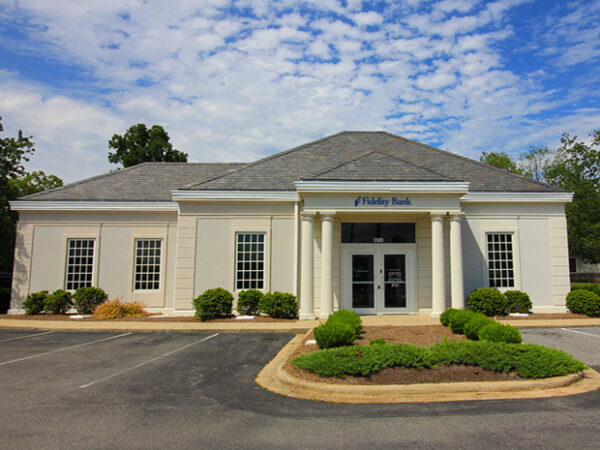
{"x":456,"y":264}
{"x":438,"y":288}
{"x":307,"y":305}
{"x":326,"y":265}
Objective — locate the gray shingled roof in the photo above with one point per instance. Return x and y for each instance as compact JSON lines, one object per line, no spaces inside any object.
{"x":315,"y":159}
{"x":377,"y":166}
{"x":152,"y":181}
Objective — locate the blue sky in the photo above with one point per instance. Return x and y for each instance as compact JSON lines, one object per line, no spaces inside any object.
{"x":238,"y":80}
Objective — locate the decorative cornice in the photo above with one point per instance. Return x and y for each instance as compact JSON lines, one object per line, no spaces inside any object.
{"x":517,"y":197}
{"x":235,"y":196}
{"x":416,"y":187}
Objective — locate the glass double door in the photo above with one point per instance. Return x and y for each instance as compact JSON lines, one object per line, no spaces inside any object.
{"x":378,"y":281}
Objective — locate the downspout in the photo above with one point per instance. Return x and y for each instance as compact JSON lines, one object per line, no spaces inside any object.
{"x":295,"y":265}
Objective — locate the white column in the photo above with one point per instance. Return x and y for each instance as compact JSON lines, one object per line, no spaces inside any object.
{"x":307,"y":305}
{"x":326,"y":265}
{"x":456,"y":264}
{"x":438,"y":288}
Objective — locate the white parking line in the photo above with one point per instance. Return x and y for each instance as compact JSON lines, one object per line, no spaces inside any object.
{"x":580,"y":332}
{"x":83,"y":386}
{"x":28,"y":336}
{"x":63,"y":349}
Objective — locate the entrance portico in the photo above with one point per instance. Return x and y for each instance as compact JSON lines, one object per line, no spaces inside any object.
{"x":385,"y":273}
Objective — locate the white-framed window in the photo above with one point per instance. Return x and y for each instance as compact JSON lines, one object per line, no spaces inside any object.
{"x":148,"y":254}
{"x":80,"y":263}
{"x":250,"y":261}
{"x":500,"y":257}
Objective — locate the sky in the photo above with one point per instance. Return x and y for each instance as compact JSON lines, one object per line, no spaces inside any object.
{"x":237,"y":80}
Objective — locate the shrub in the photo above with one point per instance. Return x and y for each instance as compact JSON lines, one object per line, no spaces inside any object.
{"x":213,"y":303}
{"x":517,"y":302}
{"x":87,"y":298}
{"x":592,"y":287}
{"x":362,"y":360}
{"x":59,"y":302}
{"x":488,"y":301}
{"x":34,"y":303}
{"x":497,"y":332}
{"x":530,"y":361}
{"x":459,"y":319}
{"x":341,"y":328}
{"x":377,"y":341}
{"x":582,"y":301}
{"x":279,"y":305}
{"x":116,"y":310}
{"x":474,"y":324}
{"x":248,"y":301}
{"x":446,"y":316}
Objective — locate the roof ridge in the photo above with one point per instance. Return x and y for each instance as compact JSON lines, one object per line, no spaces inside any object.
{"x":267,"y":158}
{"x":464,"y":158}
{"x":418,"y":166}
{"x":344,"y":163}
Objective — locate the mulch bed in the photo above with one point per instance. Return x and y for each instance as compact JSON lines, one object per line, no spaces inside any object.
{"x":425,"y":336}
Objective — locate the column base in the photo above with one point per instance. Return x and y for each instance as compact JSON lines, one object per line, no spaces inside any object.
{"x":324,"y":316}
{"x":307,"y":317}
{"x":435,"y":315}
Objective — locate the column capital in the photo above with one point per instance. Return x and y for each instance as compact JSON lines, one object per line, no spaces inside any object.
{"x":308,"y":215}
{"x":327,"y":215}
{"x":455,"y":217}
{"x":437,"y":216}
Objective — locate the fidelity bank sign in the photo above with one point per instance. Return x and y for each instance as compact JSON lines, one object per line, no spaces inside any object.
{"x":384,"y":202}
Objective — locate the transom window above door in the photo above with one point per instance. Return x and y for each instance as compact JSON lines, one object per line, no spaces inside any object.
{"x":378,"y":233}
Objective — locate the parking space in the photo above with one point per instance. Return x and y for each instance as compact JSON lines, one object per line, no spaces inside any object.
{"x":581,"y":342}
{"x":194,"y":390}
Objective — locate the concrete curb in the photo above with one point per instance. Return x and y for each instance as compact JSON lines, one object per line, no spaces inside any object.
{"x":275,"y":378}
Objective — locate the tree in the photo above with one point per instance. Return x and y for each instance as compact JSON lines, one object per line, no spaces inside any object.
{"x":16,"y":182}
{"x":576,"y":168}
{"x":140,"y":144}
{"x":535,"y":162}
{"x":500,"y":160}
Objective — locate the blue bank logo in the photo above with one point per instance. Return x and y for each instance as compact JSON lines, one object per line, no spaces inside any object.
{"x":384,"y":202}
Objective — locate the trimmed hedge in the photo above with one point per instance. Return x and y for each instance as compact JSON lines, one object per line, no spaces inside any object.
{"x":59,"y":302}
{"x":592,"y":287}
{"x":340,"y":329}
{"x":459,"y":319}
{"x":279,"y":305}
{"x":497,"y":332}
{"x":248,"y":301}
{"x":87,"y":298}
{"x":117,"y":310}
{"x":517,"y":302}
{"x":35,"y":302}
{"x":446,"y":316}
{"x":213,"y":303}
{"x":488,"y":301}
{"x":582,"y":301}
{"x":476,"y":323}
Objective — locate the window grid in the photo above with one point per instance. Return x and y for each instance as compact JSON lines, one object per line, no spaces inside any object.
{"x":80,"y":263}
{"x":147,"y":264}
{"x":250,"y":260}
{"x":500,"y":260}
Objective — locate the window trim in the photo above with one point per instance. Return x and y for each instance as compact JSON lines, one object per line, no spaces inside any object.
{"x":487,"y":259}
{"x":500,"y":226}
{"x":68,"y":239}
{"x":266,"y":258}
{"x":161,"y":266}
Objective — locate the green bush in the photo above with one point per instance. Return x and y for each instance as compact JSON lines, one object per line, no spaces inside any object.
{"x":87,"y":298}
{"x":488,"y":301}
{"x":279,"y":305}
{"x":248,"y":301}
{"x":517,"y":302}
{"x":592,"y":287}
{"x":341,"y":328}
{"x":497,"y":332}
{"x":362,"y":360}
{"x":59,"y":302}
{"x":446,"y":316}
{"x":213,"y":303}
{"x":459,"y":319}
{"x":34,"y":303}
{"x":530,"y":361}
{"x":475,"y":323}
{"x":377,"y":341}
{"x":582,"y":301}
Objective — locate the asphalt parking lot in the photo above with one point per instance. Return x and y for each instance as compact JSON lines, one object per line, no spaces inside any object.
{"x":192,"y":390}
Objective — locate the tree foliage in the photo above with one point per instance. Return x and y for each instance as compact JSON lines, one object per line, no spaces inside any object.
{"x":14,"y":183}
{"x":140,"y":144}
{"x":500,"y":160}
{"x":576,"y":168}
